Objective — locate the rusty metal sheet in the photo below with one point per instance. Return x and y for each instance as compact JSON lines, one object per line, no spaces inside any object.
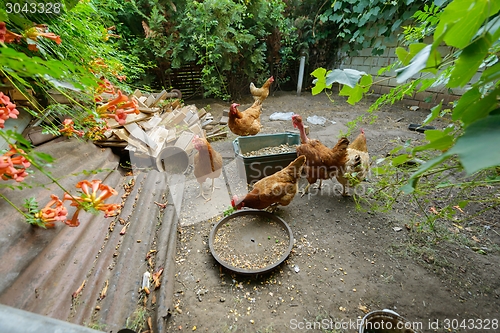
{"x":41,"y":269}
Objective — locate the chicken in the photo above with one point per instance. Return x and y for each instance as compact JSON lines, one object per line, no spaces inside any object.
{"x":322,"y":162}
{"x":246,"y":122}
{"x":207,"y":164}
{"x":260,"y":94}
{"x":277,"y":189}
{"x":357,"y":165}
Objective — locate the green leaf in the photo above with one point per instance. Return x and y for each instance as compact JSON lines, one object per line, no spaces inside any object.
{"x":469,"y":61}
{"x":477,"y":148}
{"x":435,"y":111}
{"x":490,"y":74}
{"x":320,"y":81}
{"x":461,"y":19}
{"x":406,"y":56}
{"x":398,"y":160}
{"x":346,"y":76}
{"x":355,"y":94}
{"x":413,"y":180}
{"x":442,"y":142}
{"x":476,"y":106}
{"x":417,"y":63}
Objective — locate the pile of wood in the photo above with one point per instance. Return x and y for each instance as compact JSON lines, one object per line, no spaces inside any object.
{"x":163,"y":121}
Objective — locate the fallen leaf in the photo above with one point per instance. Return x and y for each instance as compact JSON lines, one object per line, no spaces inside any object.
{"x":104,"y":290}
{"x":75,"y":294}
{"x":156,"y":278}
{"x":363,"y":308}
{"x":124,"y":229}
{"x":476,"y":239}
{"x":150,"y":324}
{"x":433,"y":210}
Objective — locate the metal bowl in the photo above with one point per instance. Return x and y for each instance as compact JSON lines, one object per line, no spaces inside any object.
{"x":249,"y":239}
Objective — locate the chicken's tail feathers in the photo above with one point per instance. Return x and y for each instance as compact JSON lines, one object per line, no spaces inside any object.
{"x":298,"y":162}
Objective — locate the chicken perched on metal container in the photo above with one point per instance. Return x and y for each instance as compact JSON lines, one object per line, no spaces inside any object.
{"x":207,"y":164}
{"x":277,"y":189}
{"x":322,"y":162}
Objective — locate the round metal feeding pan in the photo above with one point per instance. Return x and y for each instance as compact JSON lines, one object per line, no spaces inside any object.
{"x":385,"y":321}
{"x":172,"y":160}
{"x":251,"y":241}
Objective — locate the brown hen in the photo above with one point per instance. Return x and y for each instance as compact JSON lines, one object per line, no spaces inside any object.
{"x":260,"y":94}
{"x":207,"y":164}
{"x":357,"y":165}
{"x":322,"y":162}
{"x":277,"y":189}
{"x":247,"y":122}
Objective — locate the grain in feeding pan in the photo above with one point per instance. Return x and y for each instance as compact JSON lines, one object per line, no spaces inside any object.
{"x":387,"y":321}
{"x":172,"y":160}
{"x":251,"y":242}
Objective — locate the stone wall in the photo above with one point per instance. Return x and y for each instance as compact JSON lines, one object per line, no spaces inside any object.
{"x":369,"y":63}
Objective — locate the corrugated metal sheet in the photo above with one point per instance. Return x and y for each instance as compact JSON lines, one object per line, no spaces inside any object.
{"x":40,"y":269}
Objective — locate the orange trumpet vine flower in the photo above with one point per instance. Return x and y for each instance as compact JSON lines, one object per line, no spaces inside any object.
{"x":7,"y":109}
{"x":7,"y":36}
{"x":13,"y":164}
{"x":34,"y":32}
{"x":52,"y":212}
{"x":113,"y":103}
{"x":68,"y":128}
{"x":90,"y":198}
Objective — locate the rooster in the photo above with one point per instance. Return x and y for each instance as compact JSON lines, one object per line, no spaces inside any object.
{"x":357,"y":165}
{"x":322,"y":162}
{"x":246,"y":122}
{"x":260,"y":94}
{"x":277,"y":189}
{"x":207,"y":164}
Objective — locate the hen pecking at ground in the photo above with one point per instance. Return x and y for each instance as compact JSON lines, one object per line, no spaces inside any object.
{"x":277,"y":189}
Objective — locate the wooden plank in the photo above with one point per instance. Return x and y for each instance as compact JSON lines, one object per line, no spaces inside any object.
{"x":176,"y":120}
{"x":223,"y":120}
{"x":124,"y":135}
{"x":139,"y":134}
{"x":201,"y":113}
{"x":151,"y":98}
{"x":185,"y":141}
{"x":196,"y":129}
{"x":153,"y":122}
{"x":171,"y":135}
{"x":216,"y":136}
{"x":137,"y":93}
{"x":160,"y":97}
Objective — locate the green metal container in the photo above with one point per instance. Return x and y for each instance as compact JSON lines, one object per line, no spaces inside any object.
{"x":255,"y":168}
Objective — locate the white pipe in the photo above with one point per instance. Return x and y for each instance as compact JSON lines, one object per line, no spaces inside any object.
{"x":301,"y":74}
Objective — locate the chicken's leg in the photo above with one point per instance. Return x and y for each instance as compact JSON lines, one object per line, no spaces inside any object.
{"x":320,"y":184}
{"x":305,"y":190}
{"x":201,"y":194}
{"x":213,"y":190}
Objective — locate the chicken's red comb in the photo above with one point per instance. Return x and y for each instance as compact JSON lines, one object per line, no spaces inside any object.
{"x":234,"y":200}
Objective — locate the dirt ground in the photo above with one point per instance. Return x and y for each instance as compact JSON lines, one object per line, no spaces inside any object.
{"x":345,"y":261}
